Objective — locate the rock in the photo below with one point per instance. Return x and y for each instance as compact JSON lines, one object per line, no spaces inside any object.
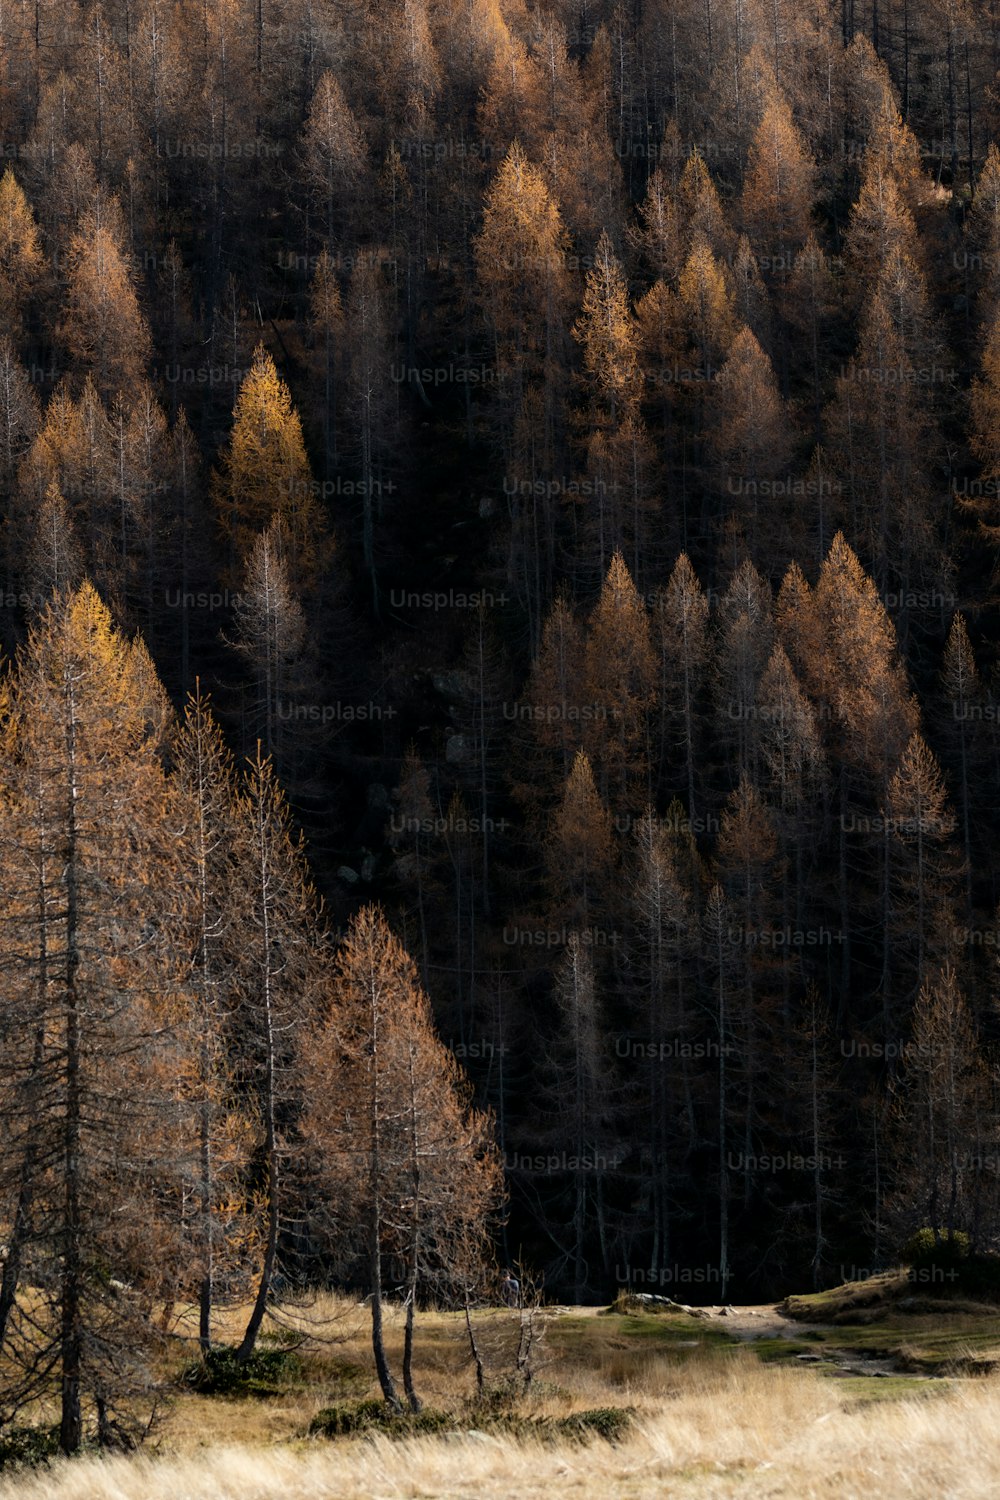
{"x":727,"y":1312}
{"x":810,"y":1359}
{"x":346,"y":873}
{"x":368,"y":865}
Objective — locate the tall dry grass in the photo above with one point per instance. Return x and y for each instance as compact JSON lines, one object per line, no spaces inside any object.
{"x":732,"y":1428}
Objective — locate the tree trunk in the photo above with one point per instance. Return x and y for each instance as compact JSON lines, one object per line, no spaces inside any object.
{"x":71,"y":1330}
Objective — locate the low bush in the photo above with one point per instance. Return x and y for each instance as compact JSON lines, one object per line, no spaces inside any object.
{"x":219,"y":1373}
{"x":28,"y":1447}
{"x":349,"y":1418}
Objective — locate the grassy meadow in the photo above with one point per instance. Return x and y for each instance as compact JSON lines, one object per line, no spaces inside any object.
{"x":895,"y":1403}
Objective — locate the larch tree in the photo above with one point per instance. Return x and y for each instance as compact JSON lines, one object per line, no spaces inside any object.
{"x":702,"y":213}
{"x":264,"y":474}
{"x":521,"y":268}
{"x":923,"y":879}
{"x":681,"y":640}
{"x":270,"y":635}
{"x":982,"y":229}
{"x":794,"y":765}
{"x":554,"y":701}
{"x":103,"y":328}
{"x":659,"y":237}
{"x":19,"y":414}
{"x":778,"y":188}
{"x":582,"y":1108}
{"x":863,"y":685}
{"x":334,"y":160}
{"x":94,"y":917}
{"x":880,"y":223}
{"x":662,"y":952}
{"x":279,"y":975}
{"x":607,"y":335}
{"x":959,"y":734}
{"x":800,"y":628}
{"x":721,"y":959}
{"x":808,"y":300}
{"x":53,"y":563}
{"x":883,"y":422}
{"x":751,"y":299}
{"x":409,"y":1167}
{"x":21,"y":260}
{"x":939,"y":1103}
{"x":620,"y":676}
{"x":749,"y":432}
{"x":706,"y":308}
{"x":204,"y":780}
{"x":452,"y":1186}
{"x":745,"y":642}
{"x":580,"y":851}
{"x":749,"y":863}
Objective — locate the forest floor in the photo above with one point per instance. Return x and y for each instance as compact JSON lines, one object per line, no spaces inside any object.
{"x":720,"y":1402}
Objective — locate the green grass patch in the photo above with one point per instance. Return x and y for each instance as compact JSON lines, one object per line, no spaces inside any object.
{"x":863,"y":1390}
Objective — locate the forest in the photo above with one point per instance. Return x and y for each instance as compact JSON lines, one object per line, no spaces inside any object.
{"x":500,"y":713}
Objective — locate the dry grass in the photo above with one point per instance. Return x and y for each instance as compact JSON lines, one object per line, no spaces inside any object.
{"x":737,"y":1428}
{"x":712,"y":1422}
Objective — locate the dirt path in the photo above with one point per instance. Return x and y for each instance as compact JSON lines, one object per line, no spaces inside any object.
{"x":765,"y":1321}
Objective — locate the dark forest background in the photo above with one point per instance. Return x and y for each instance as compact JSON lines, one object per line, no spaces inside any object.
{"x":567,"y":437}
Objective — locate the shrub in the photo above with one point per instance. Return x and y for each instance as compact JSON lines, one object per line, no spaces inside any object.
{"x":350,"y":1418}
{"x":27,"y":1447}
{"x":265,"y":1373}
{"x":926,"y":1250}
{"x":608,"y":1422}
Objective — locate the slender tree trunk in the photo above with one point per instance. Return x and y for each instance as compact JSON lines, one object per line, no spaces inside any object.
{"x":71,"y":1329}
{"x":249,"y":1342}
{"x":382,"y":1369}
{"x":411,"y":1299}
{"x":22,"y":1214}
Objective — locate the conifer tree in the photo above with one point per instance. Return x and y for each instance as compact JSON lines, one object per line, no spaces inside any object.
{"x":959,"y":732}
{"x":680,"y":634}
{"x":21,"y":260}
{"x":103,"y":328}
{"x":777,"y":188}
{"x":939,"y":1103}
{"x":521,"y":266}
{"x":94,"y":918}
{"x":620,"y":675}
{"x":264,"y":475}
{"x":605,"y":331}
{"x":279,"y":975}
{"x":580,"y":849}
{"x":409,"y":1166}
{"x":205,"y":782}
{"x":333,"y":151}
{"x":924,"y":872}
